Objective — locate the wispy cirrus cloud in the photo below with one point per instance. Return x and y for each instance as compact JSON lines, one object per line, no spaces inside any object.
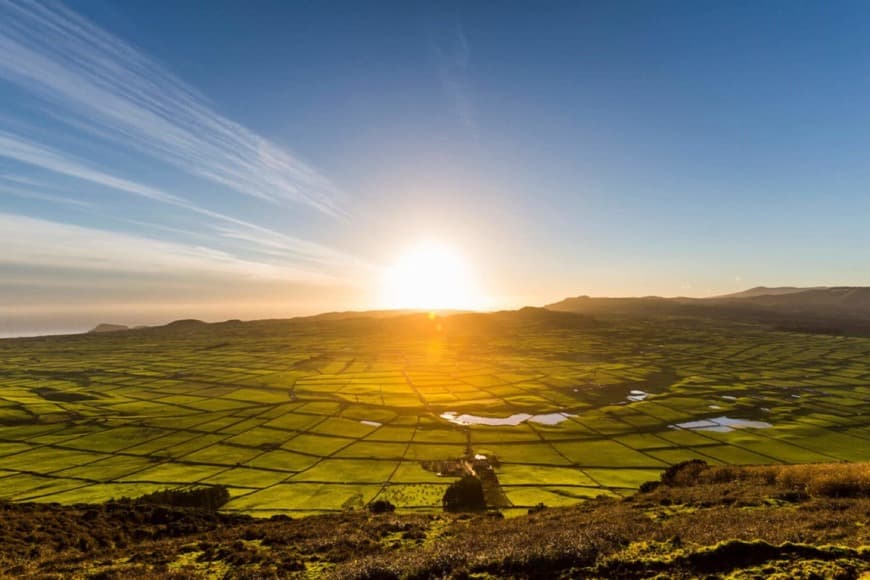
{"x":454,"y":61}
{"x":29,"y":188}
{"x":106,"y":87}
{"x":38,"y":243}
{"x":26,"y":151}
{"x":260,"y":238}
{"x":89,"y":118}
{"x":38,"y":196}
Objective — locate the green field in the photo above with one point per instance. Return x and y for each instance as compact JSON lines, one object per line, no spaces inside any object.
{"x":318,"y":415}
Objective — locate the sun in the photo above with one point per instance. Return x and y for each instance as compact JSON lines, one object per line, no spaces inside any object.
{"x":430,"y":276}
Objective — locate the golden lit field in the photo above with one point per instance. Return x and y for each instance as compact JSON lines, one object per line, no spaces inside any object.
{"x":320,"y":414}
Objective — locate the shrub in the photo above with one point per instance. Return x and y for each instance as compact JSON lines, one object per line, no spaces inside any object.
{"x":381,"y":506}
{"x":798,"y":481}
{"x":725,"y":474}
{"x":684,"y":473}
{"x":207,"y":498}
{"x":537,"y":508}
{"x":464,"y":495}
{"x":827,"y":479}
{"x":648,"y":486}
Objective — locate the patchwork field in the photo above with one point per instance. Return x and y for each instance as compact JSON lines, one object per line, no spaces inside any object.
{"x":314,"y":415}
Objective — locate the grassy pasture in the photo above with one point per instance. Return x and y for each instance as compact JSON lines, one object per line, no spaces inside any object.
{"x":311,"y":415}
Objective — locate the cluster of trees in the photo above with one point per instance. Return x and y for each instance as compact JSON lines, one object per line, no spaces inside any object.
{"x":207,"y":498}
{"x":464,"y":495}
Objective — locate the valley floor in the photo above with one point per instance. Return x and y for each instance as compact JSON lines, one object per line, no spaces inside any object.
{"x":297,"y":417}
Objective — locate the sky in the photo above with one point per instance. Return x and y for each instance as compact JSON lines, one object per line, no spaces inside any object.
{"x":232,"y":159}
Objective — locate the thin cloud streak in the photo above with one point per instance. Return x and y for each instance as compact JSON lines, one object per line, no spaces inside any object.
{"x":19,"y":149}
{"x":22,"y":150}
{"x":453,"y":65}
{"x":39,"y":196}
{"x":113,"y":91}
{"x":41,"y":243}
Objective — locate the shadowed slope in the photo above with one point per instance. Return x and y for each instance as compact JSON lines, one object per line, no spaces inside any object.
{"x":705,"y":520}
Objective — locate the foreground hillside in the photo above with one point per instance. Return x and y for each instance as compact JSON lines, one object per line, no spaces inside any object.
{"x":804,"y":521}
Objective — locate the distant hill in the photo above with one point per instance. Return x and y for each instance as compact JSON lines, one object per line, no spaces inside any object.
{"x":350,"y":314}
{"x":185,"y":323}
{"x":397,"y":323}
{"x":765,"y":291}
{"x":827,"y":310}
{"x":833,"y":310}
{"x":105,"y":327}
{"x":845,"y":300}
{"x":176,"y":324}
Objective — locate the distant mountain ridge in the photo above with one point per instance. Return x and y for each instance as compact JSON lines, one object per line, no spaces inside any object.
{"x":386,"y":313}
{"x":829,"y":310}
{"x":765,"y":291}
{"x":835,"y":310}
{"x":106,"y":327}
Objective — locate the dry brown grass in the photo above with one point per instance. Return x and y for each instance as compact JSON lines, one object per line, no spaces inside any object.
{"x":815,"y":479}
{"x":709,"y":521}
{"x":827,"y":480}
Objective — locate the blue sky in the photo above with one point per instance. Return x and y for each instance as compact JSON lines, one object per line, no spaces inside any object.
{"x":235,"y":159}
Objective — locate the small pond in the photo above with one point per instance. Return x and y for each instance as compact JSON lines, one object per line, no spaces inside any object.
{"x":513,"y":420}
{"x":721,"y":424}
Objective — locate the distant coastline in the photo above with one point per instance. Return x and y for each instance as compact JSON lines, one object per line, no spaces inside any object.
{"x":37,"y":333}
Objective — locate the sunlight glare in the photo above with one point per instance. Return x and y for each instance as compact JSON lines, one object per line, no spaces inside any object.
{"x":430,"y":276}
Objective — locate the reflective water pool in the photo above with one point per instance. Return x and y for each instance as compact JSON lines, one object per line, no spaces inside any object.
{"x":721,"y":424}
{"x":512,"y":420}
